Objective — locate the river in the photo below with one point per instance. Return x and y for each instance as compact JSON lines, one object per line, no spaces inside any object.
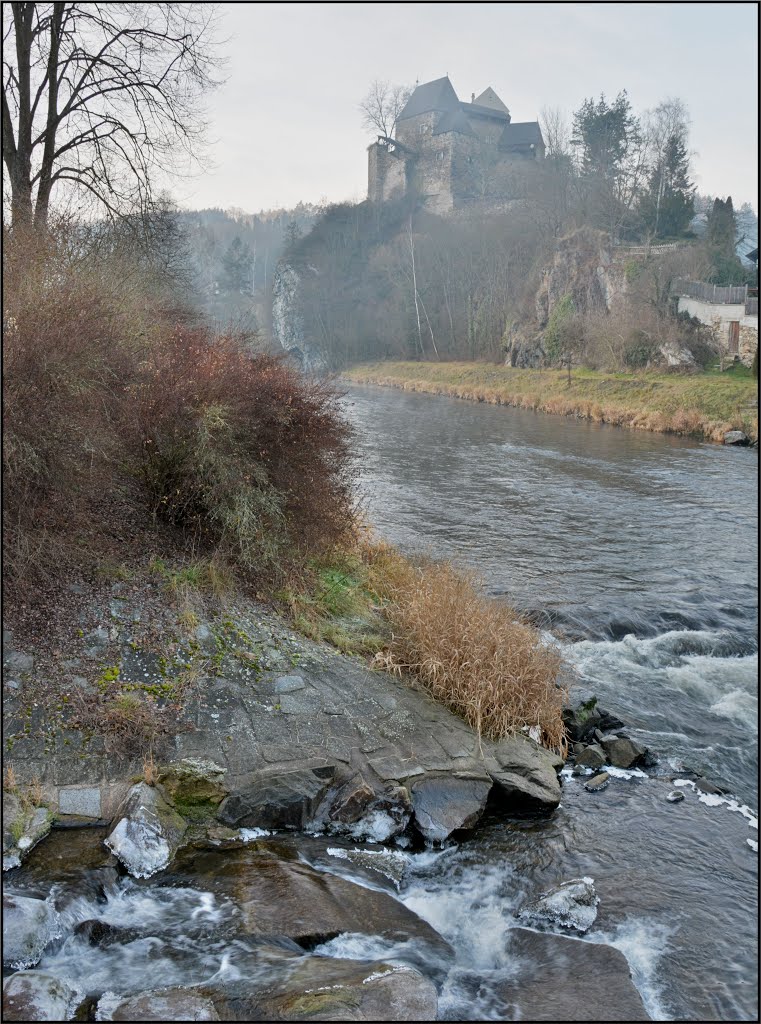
{"x":637,"y":553}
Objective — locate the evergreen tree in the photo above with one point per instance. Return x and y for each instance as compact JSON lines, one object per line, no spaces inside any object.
{"x":609,"y":143}
{"x":720,"y":240}
{"x":668,"y":205}
{"x":236,"y":266}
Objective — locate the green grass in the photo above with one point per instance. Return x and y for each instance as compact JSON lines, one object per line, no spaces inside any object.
{"x":337,"y":603}
{"x":701,"y":405}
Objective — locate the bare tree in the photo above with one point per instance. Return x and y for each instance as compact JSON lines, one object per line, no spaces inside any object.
{"x":99,"y":96}
{"x":556,"y":133}
{"x":382,"y":106}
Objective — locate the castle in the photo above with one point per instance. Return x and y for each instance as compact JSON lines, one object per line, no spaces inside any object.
{"x":452,"y":153}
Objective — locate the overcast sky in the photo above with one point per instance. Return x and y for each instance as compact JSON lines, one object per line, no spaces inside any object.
{"x":285,"y":126}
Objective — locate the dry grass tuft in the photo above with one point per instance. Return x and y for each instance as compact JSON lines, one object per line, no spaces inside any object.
{"x":472,"y":653}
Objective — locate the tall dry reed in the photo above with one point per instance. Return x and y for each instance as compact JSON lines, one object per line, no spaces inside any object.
{"x":473,"y":654}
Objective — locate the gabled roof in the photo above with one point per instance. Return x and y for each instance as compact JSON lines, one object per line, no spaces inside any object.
{"x":453,"y":121}
{"x":475,"y":108}
{"x":438,"y":95}
{"x":521,"y":133}
{"x":489,"y":98}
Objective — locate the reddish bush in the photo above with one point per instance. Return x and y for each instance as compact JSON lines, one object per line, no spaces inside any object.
{"x":244,"y":452}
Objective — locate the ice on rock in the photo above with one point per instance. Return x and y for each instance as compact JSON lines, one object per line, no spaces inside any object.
{"x":571,"y":905}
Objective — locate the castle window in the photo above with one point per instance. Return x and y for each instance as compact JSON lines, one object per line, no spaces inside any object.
{"x":440,"y":155}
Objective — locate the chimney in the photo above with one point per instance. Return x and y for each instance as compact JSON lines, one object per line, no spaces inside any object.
{"x":472,"y":97}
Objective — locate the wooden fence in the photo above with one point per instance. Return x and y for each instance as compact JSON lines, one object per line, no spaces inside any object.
{"x":751,"y":307}
{"x":723,"y":295}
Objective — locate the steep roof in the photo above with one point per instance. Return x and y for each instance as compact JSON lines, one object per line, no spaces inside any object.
{"x":475,"y":108}
{"x":521,"y":133}
{"x":453,"y":121}
{"x":438,"y":95}
{"x":489,"y":98}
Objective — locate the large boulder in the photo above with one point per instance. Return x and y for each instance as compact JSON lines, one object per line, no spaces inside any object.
{"x":622,"y":752}
{"x":160,"y":1004}
{"x":37,"y":995}
{"x":293,"y":988}
{"x":28,"y":926}
{"x":525,"y":774}
{"x":193,"y":780}
{"x":558,"y":978}
{"x":147,"y":833}
{"x":445,"y":803}
{"x":320,"y":988}
{"x":571,"y":905}
{"x":278,"y":799}
{"x":736,"y":437}
{"x":278,"y":895}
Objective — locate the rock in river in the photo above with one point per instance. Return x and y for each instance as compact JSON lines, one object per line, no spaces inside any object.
{"x":28,"y":926}
{"x":571,"y":905}
{"x":622,"y":752}
{"x":37,"y":995}
{"x":147,"y":833}
{"x":280,"y":896}
{"x":444,"y":804}
{"x":525,"y":774}
{"x":559,"y":978}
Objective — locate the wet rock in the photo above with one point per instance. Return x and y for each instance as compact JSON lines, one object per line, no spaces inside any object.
{"x":622,"y":752}
{"x":597,"y":782}
{"x":37,"y":995}
{"x":383,"y":862}
{"x":28,"y":926}
{"x":273,"y":800}
{"x":571,"y":905}
{"x":608,"y":721}
{"x":581,"y":722}
{"x":281,"y":896}
{"x":525,"y":774}
{"x":592,"y":756}
{"x":23,"y":827}
{"x":193,"y":780}
{"x":704,"y":786}
{"x":318,"y":988}
{"x":558,"y":978}
{"x":444,"y":804}
{"x":366,"y":810}
{"x":148,"y":832}
{"x":160,"y":1004}
{"x":101,"y":933}
{"x":675,"y":796}
{"x":736,"y":437}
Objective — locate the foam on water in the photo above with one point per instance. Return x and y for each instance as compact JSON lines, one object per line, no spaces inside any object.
{"x":716,"y":800}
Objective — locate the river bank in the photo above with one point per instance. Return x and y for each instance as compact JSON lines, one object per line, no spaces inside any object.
{"x":702,"y":405}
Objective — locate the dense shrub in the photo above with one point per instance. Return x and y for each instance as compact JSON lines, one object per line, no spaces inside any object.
{"x":243,"y":452}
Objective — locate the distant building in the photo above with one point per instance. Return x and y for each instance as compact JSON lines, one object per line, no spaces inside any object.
{"x":450,"y":152}
{"x":732,"y":313}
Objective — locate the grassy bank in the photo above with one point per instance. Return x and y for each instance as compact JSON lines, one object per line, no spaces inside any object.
{"x":702,"y":405}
